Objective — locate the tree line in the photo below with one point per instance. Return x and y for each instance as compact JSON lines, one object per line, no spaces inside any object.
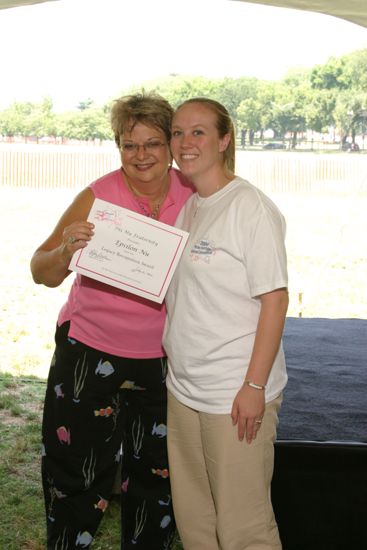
{"x":330,"y":95}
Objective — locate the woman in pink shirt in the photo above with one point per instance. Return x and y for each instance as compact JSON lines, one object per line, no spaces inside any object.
{"x":106,"y":394}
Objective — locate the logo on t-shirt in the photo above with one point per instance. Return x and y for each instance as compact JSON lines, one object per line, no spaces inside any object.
{"x":203,"y":250}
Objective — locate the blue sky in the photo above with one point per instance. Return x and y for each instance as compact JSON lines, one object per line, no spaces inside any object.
{"x":75,"y":49}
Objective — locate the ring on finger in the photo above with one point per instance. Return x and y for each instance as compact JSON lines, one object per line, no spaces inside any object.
{"x":72,"y":240}
{"x":258,"y":421}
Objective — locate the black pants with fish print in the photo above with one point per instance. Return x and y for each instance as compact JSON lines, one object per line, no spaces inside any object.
{"x":100,"y":409}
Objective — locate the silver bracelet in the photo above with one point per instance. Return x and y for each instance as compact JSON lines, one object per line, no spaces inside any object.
{"x":255,"y":386}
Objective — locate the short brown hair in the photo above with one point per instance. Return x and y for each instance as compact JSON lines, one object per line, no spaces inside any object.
{"x":224,"y":125}
{"x":146,"y":108}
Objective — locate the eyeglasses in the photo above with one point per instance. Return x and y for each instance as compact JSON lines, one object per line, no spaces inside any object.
{"x":148,"y":146}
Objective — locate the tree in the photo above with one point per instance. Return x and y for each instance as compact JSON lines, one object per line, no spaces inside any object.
{"x":355,"y":70}
{"x":333,"y":94}
{"x":349,"y":114}
{"x":319,"y":110}
{"x":228,"y":91}
{"x":231,"y":92}
{"x":13,"y":120}
{"x":289,"y":110}
{"x":177,"y":89}
{"x":249,"y":116}
{"x":266,"y":97}
{"x":86,"y":104}
{"x":330,"y":75}
{"x":348,"y":72}
{"x":85,"y":125}
{"x":41,"y":120}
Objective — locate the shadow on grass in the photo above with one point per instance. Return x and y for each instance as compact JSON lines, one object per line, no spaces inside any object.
{"x":22,"y":525}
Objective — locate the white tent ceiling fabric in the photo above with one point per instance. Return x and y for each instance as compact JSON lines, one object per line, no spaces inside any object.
{"x":351,"y":10}
{"x":13,"y":4}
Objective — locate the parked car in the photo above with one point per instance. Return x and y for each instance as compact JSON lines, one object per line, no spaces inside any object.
{"x":273,"y":145}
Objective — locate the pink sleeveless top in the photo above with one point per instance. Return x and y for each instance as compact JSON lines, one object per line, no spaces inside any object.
{"x":109,"y":319}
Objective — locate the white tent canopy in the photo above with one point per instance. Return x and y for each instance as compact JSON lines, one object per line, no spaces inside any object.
{"x":351,"y":10}
{"x":14,"y":3}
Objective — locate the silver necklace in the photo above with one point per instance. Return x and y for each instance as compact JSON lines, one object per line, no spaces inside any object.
{"x":155,"y":209}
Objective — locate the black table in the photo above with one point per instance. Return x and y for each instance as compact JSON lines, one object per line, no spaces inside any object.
{"x":319,"y":487}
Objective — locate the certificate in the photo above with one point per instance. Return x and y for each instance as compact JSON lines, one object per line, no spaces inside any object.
{"x":130,"y":251}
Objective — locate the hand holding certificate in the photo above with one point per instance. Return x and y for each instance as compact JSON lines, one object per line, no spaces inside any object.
{"x":130,"y":251}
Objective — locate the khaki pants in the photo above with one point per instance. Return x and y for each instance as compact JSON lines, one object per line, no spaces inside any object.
{"x":220,"y":485}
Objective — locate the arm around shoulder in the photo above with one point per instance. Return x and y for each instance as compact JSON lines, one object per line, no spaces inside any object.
{"x":50,"y":262}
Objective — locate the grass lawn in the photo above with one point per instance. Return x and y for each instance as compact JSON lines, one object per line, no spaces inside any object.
{"x":327,"y":253}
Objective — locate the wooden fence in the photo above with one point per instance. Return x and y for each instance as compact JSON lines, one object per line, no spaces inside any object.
{"x":303,"y":172}
{"x":51,"y":167}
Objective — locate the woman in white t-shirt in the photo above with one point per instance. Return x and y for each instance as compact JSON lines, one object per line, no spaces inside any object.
{"x":226,"y":309}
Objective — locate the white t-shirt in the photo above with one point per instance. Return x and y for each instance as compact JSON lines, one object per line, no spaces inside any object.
{"x":235,"y":252}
